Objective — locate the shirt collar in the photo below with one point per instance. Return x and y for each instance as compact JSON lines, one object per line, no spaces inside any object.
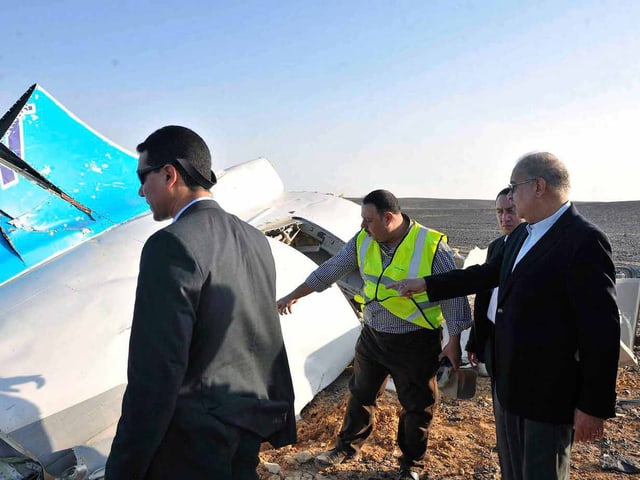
{"x":543,"y":225}
{"x":195,"y":200}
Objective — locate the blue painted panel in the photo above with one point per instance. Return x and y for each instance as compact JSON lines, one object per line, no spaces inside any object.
{"x":90,"y":169}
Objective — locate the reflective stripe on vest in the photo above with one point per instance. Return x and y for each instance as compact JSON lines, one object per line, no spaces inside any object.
{"x":412,"y":258}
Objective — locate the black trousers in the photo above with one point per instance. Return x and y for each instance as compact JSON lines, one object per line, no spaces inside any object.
{"x":530,"y":450}
{"x":412,"y":361}
{"x":224,"y":453}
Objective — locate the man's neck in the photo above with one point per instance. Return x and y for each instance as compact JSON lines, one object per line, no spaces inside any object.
{"x":189,"y":197}
{"x":547,"y":209}
{"x":398,"y":233}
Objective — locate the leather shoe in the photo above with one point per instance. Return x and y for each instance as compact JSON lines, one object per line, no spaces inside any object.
{"x":408,"y":475}
{"x":335,"y":456}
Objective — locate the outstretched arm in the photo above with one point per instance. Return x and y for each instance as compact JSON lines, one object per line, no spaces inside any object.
{"x":285,"y":303}
{"x":454,"y":283}
{"x":322,"y":277}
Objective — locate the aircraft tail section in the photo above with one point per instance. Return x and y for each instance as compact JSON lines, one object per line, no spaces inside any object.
{"x":61,"y":183}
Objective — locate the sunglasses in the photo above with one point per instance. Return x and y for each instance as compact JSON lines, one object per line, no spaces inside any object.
{"x":188,"y":170}
{"x":143,"y":172}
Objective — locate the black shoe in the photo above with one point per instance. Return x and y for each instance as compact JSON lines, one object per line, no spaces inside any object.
{"x":335,"y":456}
{"x":406,"y":474}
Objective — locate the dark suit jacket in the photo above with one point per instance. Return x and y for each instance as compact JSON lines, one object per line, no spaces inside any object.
{"x":206,"y":349}
{"x":559,"y":300}
{"x":481,"y":336}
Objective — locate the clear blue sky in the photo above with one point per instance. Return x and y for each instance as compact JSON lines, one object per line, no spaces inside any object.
{"x":424,"y":98}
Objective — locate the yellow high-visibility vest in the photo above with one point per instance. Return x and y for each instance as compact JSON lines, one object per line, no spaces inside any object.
{"x":413,"y":258}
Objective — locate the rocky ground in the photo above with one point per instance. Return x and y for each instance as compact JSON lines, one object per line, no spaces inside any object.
{"x":461,"y":442}
{"x":462,"y":438}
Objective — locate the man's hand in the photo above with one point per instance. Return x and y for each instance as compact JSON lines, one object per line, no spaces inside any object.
{"x":587,"y":427}
{"x":473,"y":358}
{"x":409,"y":286}
{"x":285,"y":303}
{"x":453,"y":352}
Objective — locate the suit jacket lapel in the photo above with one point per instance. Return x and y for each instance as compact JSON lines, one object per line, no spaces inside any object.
{"x":511,"y":249}
{"x":496,"y":248}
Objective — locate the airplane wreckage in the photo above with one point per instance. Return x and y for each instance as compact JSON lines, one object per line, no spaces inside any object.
{"x":72,"y":228}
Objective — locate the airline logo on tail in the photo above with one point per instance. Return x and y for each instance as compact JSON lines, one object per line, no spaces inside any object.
{"x":8,"y":177}
{"x":14,"y":140}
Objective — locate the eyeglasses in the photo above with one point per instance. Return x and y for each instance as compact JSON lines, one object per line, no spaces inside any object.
{"x":143,"y":172}
{"x":512,"y":186}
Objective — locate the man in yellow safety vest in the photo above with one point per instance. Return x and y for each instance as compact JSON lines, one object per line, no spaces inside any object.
{"x":401,"y":337}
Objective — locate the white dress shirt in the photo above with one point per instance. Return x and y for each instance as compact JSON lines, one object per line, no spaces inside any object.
{"x":493,"y":302}
{"x":537,"y":231}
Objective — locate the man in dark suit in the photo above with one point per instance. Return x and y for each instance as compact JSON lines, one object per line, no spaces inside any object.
{"x":208,"y":376}
{"x":480,"y":343}
{"x":557,"y":328}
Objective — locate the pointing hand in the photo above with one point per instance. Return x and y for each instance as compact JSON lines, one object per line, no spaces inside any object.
{"x":409,"y":286}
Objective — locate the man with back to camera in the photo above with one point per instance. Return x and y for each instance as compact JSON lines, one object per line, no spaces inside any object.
{"x":208,"y":376}
{"x":480,"y":345}
{"x":400,"y":337}
{"x":557,"y":329}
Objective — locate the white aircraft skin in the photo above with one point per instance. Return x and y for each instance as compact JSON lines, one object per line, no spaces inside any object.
{"x":65,"y":330}
{"x":65,"y":324}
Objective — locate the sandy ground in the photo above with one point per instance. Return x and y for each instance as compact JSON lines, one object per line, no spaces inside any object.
{"x":462,"y":438}
{"x":461,"y":442}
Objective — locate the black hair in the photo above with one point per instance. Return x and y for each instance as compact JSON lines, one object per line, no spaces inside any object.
{"x":169,"y":143}
{"x":383,"y":200}
{"x":504,"y":191}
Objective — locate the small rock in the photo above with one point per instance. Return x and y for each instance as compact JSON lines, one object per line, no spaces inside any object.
{"x":271,"y":467}
{"x":299,"y":476}
{"x":303,"y":457}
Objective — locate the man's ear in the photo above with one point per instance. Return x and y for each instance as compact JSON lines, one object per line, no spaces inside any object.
{"x":540,"y":186}
{"x":171,"y":175}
